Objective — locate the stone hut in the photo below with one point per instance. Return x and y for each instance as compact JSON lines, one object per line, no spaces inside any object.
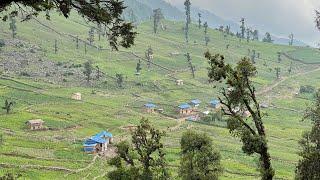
{"x":76,"y":96}
{"x":35,"y":124}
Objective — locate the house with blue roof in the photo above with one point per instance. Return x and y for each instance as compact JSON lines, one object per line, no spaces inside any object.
{"x":98,"y":143}
{"x":215,"y":104}
{"x":195,"y":103}
{"x":150,"y":107}
{"x":185,"y":109}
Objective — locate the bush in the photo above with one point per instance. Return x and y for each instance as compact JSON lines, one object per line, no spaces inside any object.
{"x":25,"y":74}
{"x":2,"y":43}
{"x":307,"y":89}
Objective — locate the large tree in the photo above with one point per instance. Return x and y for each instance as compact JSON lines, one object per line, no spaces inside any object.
{"x":157,"y":16}
{"x":187,"y":5}
{"x":242,"y":28}
{"x":308,"y":167}
{"x":267,"y":38}
{"x":104,"y":12}
{"x":240,"y":97}
{"x":144,"y":158}
{"x":199,"y":159}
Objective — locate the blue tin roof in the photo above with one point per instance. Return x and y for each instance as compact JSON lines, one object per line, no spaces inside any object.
{"x":214,"y":102}
{"x":150,"y":105}
{"x":104,"y":134}
{"x":195,"y":101}
{"x":184,"y":106}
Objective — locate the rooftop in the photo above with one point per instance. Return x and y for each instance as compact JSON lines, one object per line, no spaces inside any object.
{"x":184,"y":106}
{"x":35,"y":121}
{"x":150,"y":105}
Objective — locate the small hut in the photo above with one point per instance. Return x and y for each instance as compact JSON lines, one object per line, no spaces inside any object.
{"x":179,"y":82}
{"x":185,"y":109}
{"x":195,"y":103}
{"x":35,"y":124}
{"x":76,"y":96}
{"x":149,"y":107}
{"x":98,"y":143}
{"x":215,"y":104}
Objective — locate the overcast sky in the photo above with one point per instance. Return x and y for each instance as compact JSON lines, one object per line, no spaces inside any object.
{"x":279,"y":16}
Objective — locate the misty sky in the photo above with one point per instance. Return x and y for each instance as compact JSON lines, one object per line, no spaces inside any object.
{"x":279,"y":16}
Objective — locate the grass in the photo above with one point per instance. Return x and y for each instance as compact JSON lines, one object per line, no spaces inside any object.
{"x":110,"y":108}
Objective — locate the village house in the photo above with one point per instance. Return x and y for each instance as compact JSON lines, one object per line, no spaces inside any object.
{"x":98,"y":143}
{"x":149,"y":107}
{"x":215,"y":104}
{"x":185,"y":109}
{"x":195,"y":103}
{"x":179,"y":82}
{"x":76,"y":96}
{"x":35,"y":124}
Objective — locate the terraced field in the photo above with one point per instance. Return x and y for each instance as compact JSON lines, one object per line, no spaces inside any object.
{"x":41,"y":82}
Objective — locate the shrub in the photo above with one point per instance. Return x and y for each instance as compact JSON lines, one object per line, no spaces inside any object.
{"x":307,"y":89}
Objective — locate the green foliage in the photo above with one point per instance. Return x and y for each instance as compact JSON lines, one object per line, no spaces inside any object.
{"x":157,"y":16}
{"x":88,"y":70}
{"x":308,"y":166}
{"x":242,"y":28}
{"x":199,"y":159}
{"x":144,"y":159}
{"x":267,"y":38}
{"x":187,"y":5}
{"x":307,"y":89}
{"x":199,"y":21}
{"x":91,"y":35}
{"x":291,"y":38}
{"x":107,"y":13}
{"x":8,"y":106}
{"x":2,"y":43}
{"x":191,"y":66}
{"x":241,"y":95}
{"x":212,"y":117}
{"x":13,"y":26}
{"x":119,"y":80}
{"x":10,"y":176}
{"x":138,"y":67}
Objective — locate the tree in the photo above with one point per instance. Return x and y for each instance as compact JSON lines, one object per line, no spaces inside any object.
{"x":248,"y":30}
{"x":149,"y":56}
{"x":253,"y":57}
{"x":98,"y":76}
{"x":91,"y":35}
{"x":138,"y":68}
{"x":88,"y":70}
{"x":119,"y":78}
{"x":199,"y":21}
{"x":291,"y":39}
{"x":144,"y":158}
{"x":207,"y":40}
{"x":279,"y":57}
{"x":107,"y":13}
{"x":157,"y":16}
{"x":277,"y":72}
{"x":199,"y":159}
{"x":267,"y":38}
{"x":240,"y":97}
{"x":55,"y":46}
{"x":13,"y":26}
{"x":290,"y":68}
{"x":242,"y":28}
{"x":308,"y":166}
{"x":205,"y":25}
{"x":8,"y":105}
{"x":187,"y":5}
{"x":255,"y":35}
{"x":318,"y":19}
{"x":2,"y":44}
{"x":227,"y":30}
{"x":191,"y":66}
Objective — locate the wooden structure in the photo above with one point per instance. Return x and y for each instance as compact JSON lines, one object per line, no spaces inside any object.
{"x":185,"y":109}
{"x":76,"y":96}
{"x":98,"y":143}
{"x":179,"y":82}
{"x":35,"y":124}
{"x":149,"y":108}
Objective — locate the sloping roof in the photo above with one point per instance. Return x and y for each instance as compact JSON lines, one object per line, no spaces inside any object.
{"x":150,"y":105}
{"x":98,"y":139}
{"x":195,"y":101}
{"x":89,"y":142}
{"x":214,"y":102}
{"x":35,"y":121}
{"x":104,"y":134}
{"x":184,"y":106}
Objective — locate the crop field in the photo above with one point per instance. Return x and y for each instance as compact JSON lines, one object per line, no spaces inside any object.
{"x":44,"y":92}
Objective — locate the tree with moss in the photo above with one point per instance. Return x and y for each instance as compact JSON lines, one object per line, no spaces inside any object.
{"x":157,"y":16}
{"x":107,"y":13}
{"x":240,"y":96}
{"x":8,"y":105}
{"x":13,"y":26}
{"x":143,"y":158}
{"x":199,"y":159}
{"x":308,"y":166}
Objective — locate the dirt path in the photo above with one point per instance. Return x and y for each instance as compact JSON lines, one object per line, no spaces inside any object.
{"x":272,"y":86}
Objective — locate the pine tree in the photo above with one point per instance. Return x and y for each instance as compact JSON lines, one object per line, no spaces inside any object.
{"x":157,"y":16}
{"x":291,"y":39}
{"x":308,"y":166}
{"x":267,"y":38}
{"x":243,"y":96}
{"x":277,"y":72}
{"x":138,"y":68}
{"x":88,"y":70}
{"x":55,"y":46}
{"x":242,"y":28}
{"x":191,"y":66}
{"x":91,"y":35}
{"x":248,"y":30}
{"x":255,"y":35}
{"x":119,"y":80}
{"x":187,"y":5}
{"x":149,"y":56}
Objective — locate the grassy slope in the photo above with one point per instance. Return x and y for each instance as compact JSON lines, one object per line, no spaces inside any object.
{"x":111,"y":108}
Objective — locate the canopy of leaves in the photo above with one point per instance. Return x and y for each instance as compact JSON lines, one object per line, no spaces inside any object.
{"x":104,"y":12}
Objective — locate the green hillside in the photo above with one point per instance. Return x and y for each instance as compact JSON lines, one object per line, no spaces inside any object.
{"x":41,"y":82}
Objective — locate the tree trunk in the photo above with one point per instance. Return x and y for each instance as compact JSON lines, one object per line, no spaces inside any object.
{"x":266,"y":168}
